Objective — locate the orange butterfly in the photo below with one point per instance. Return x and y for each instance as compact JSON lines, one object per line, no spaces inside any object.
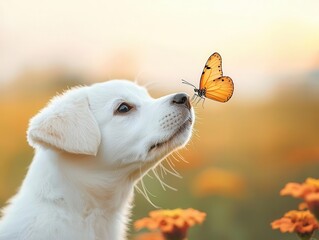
{"x":213,"y":84}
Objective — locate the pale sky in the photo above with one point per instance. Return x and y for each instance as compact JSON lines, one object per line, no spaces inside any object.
{"x":162,"y":41}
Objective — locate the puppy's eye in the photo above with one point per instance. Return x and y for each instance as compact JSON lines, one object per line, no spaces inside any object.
{"x":123,"y":108}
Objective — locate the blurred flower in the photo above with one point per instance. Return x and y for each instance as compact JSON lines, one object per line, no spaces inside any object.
{"x":150,"y":236}
{"x":312,"y":200}
{"x":301,"y":222}
{"x":297,"y":190}
{"x":219,"y":182}
{"x":309,"y":191}
{"x":172,"y":223}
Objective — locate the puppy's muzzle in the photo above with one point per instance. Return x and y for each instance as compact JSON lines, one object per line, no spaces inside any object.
{"x":182,"y":99}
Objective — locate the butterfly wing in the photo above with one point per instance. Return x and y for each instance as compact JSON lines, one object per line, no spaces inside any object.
{"x":212,"y":70}
{"x":220,"y":89}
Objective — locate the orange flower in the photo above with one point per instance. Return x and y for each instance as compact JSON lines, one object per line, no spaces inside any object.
{"x":298,"y":190}
{"x":312,"y":200}
{"x":150,"y":236}
{"x":172,"y":223}
{"x":309,"y":191}
{"x":301,"y":222}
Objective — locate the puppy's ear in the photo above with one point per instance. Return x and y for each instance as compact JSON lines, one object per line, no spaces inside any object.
{"x":67,"y":123}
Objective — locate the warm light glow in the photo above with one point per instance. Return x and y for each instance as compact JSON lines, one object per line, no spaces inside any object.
{"x":259,"y":40}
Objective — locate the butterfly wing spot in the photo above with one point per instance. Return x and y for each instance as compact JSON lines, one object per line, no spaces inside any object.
{"x":208,"y":67}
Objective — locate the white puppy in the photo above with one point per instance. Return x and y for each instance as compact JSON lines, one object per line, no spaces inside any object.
{"x":92,"y":145}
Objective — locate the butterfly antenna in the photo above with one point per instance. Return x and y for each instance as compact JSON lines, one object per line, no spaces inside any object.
{"x":188,"y":83}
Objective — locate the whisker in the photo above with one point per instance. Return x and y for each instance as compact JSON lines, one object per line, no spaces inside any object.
{"x":149,"y":175}
{"x":166,"y":170}
{"x":148,"y":191}
{"x":175,"y":158}
{"x":173,"y":172}
{"x":162,"y":171}
{"x":181,"y":157}
{"x":143,"y":194}
{"x":164,"y":184}
{"x":144,"y":191}
{"x":169,"y":160}
{"x":159,"y":179}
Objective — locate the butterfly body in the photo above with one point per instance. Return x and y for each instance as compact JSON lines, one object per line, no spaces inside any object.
{"x":213,"y":84}
{"x":200,"y":92}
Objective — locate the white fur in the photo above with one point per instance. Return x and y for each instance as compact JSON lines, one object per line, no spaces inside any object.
{"x":88,"y":158}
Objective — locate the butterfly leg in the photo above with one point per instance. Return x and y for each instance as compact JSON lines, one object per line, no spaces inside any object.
{"x":203,"y":102}
{"x":200,"y":98}
{"x":194,"y":98}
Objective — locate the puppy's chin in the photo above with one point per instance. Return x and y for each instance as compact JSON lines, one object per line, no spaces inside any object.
{"x":177,"y":139}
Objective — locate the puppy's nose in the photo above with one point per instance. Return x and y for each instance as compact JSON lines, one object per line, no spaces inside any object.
{"x":182,"y":99}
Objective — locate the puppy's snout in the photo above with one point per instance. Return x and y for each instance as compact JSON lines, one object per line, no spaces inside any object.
{"x":182,"y":99}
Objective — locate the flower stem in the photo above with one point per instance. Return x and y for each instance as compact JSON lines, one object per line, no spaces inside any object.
{"x":175,"y":238}
{"x":306,"y":236}
{"x":175,"y":235}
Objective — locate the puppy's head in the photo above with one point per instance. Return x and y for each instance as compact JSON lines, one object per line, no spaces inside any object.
{"x":117,"y":122}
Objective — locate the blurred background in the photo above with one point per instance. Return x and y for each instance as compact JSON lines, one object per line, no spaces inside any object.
{"x":242,"y":153}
